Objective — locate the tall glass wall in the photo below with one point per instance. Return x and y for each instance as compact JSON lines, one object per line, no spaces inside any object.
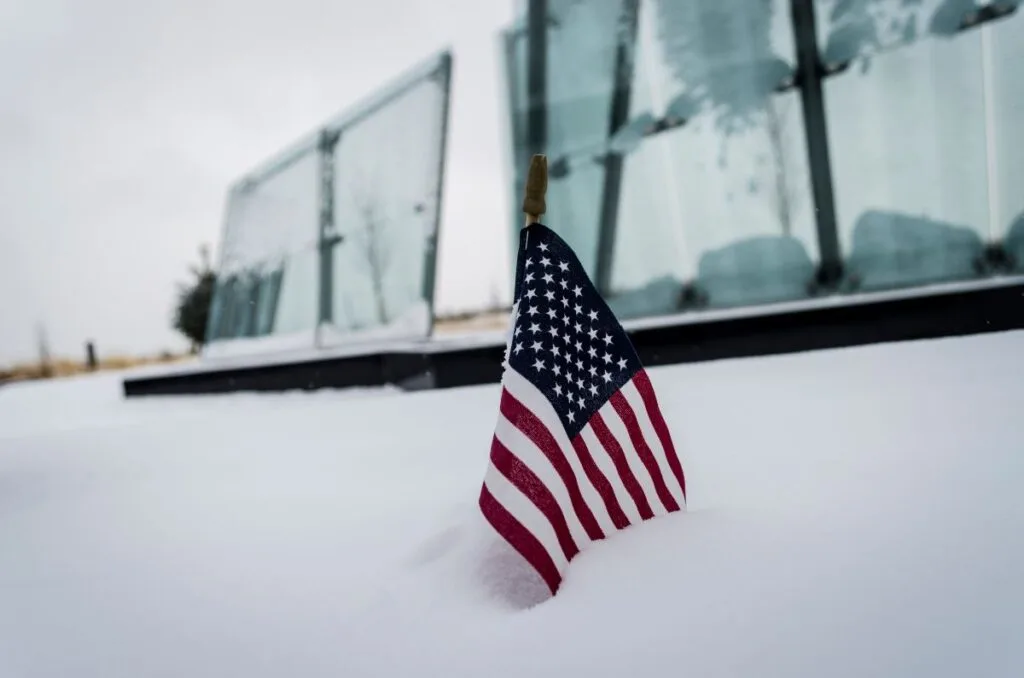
{"x":717,"y":153}
{"x":336,"y":240}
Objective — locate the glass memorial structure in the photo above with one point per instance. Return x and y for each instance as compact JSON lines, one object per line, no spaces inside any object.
{"x":708,"y":154}
{"x":335,"y":240}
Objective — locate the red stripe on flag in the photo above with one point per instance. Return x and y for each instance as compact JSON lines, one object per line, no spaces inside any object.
{"x":534,"y":429}
{"x":643,"y":385}
{"x":636,"y":436}
{"x":519,"y":538}
{"x":646,"y":390}
{"x":611,"y":445}
{"x":520,"y":475}
{"x":601,"y":484}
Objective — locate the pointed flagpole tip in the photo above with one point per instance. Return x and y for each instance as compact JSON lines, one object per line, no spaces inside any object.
{"x":534,"y":204}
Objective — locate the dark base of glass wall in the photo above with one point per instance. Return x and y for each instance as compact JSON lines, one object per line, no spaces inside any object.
{"x":955,"y":312}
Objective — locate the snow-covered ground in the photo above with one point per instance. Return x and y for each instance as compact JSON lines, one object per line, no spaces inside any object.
{"x":852,"y":513}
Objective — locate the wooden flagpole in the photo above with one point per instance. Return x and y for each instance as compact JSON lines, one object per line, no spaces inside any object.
{"x":534,"y":203}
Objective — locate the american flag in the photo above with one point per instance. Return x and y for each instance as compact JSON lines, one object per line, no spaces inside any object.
{"x":581,"y":448}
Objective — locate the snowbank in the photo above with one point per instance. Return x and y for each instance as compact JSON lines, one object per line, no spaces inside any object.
{"x":852,"y":513}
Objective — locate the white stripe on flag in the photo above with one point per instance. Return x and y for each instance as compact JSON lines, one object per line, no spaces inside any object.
{"x":643,"y":476}
{"x":531,"y":397}
{"x":524,"y":510}
{"x":604,"y":462}
{"x":522,"y":447}
{"x":510,"y":336}
{"x":632,"y":395}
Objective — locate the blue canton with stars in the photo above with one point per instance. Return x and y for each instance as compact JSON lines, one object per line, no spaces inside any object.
{"x":565,"y":341}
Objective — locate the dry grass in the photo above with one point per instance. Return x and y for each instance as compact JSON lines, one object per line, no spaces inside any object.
{"x":468,"y":322}
{"x":65,"y":367}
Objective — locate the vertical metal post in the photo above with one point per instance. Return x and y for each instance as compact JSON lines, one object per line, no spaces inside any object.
{"x":517,"y":148}
{"x":622,"y":86}
{"x":536,"y":78}
{"x":326,"y":238}
{"x":995,"y":217}
{"x":444,"y":74}
{"x":812,"y":98}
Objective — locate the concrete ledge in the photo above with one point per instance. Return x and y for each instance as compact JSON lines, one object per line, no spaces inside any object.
{"x":953,"y":311}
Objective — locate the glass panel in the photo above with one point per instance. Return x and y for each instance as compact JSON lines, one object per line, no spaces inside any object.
{"x":271,"y":222}
{"x":247,"y":303}
{"x":270,"y":287}
{"x":582,"y":43}
{"x":583,"y":38}
{"x":388,"y":166}
{"x":907,"y":134}
{"x":722,"y":196}
{"x":273,"y":215}
{"x":853,"y":29}
{"x":713,"y":186}
{"x":514,"y":45}
{"x":386,"y":185}
{"x":299,"y":297}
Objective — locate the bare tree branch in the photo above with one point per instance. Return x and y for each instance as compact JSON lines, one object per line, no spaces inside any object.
{"x":371,"y":239}
{"x":783,"y":197}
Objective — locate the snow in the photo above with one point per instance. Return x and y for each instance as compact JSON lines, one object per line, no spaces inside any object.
{"x":284,"y":342}
{"x":852,"y":513}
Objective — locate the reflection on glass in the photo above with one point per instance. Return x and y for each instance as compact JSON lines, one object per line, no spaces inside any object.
{"x":700,"y":104}
{"x":297,"y":303}
{"x":269,"y":292}
{"x":386,"y":177}
{"x":583,"y":39}
{"x":907,"y":133}
{"x":378,"y":212}
{"x":711,"y":183}
{"x":271,"y":222}
{"x":854,"y":29}
{"x":273,"y":214}
{"x":585,"y":42}
{"x":721,"y":199}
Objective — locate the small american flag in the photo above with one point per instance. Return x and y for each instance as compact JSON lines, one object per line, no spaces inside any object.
{"x":581,"y":448}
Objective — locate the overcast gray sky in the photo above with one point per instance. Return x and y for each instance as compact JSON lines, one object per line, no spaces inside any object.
{"x":122,"y":123}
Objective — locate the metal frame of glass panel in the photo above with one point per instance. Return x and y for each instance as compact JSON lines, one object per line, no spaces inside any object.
{"x":814,"y":65}
{"x":234,"y":317}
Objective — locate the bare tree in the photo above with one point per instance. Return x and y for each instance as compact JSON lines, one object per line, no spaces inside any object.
{"x":783,"y":197}
{"x":371,"y":239}
{"x":699,"y":40}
